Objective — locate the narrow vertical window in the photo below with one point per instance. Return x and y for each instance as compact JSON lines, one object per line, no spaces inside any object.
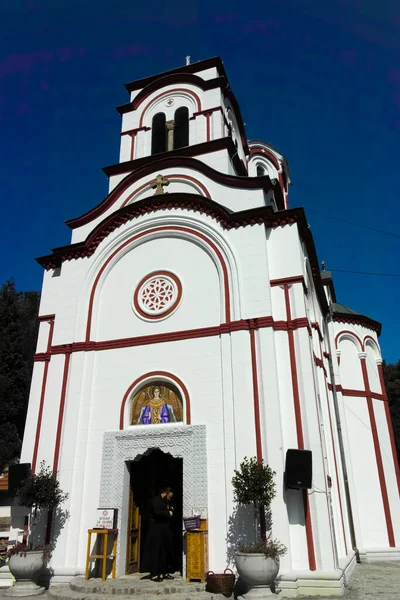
{"x":260,"y":171}
{"x":181,"y":129}
{"x":158,"y":134}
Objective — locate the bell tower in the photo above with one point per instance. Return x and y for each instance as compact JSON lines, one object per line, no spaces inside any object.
{"x":190,"y":111}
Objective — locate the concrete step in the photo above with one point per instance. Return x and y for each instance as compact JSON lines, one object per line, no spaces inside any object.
{"x":96,"y":589}
{"x":65,"y":593}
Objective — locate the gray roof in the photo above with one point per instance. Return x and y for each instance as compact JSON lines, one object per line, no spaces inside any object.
{"x":341,"y":308}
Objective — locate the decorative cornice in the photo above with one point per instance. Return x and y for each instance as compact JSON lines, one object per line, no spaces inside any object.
{"x":193,"y":202}
{"x":182,"y":153}
{"x":358,"y":320}
{"x":196,"y":67}
{"x":172,"y":79}
{"x":290,"y":281}
{"x":169,"y":160}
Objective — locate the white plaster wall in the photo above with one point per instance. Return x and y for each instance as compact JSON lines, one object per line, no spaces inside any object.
{"x":289,"y":262}
{"x":365,"y":482}
{"x":350,"y":367}
{"x":201,"y":303}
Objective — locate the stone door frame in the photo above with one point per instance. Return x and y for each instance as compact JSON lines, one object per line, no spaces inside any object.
{"x":122,"y":447}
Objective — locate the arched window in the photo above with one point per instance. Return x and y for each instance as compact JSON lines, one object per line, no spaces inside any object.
{"x":260,"y":171}
{"x":181,"y":128}
{"x":158,"y":134}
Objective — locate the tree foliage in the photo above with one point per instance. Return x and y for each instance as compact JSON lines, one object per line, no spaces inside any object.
{"x":18,"y":334}
{"x":41,"y":490}
{"x":254,"y":483}
{"x":391,"y":375}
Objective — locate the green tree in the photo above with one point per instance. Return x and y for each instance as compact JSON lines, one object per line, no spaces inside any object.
{"x":18,"y":334}
{"x":254,"y":483}
{"x":391,"y":374}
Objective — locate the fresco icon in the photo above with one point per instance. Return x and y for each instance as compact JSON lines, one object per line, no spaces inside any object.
{"x":155,"y":404}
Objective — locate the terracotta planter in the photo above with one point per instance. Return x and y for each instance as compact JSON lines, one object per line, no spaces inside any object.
{"x":26,"y":568}
{"x":258,"y":572}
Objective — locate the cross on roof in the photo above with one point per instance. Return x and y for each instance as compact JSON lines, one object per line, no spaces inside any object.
{"x":158,"y":184}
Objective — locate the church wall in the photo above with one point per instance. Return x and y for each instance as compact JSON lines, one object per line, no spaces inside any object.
{"x":389,"y":472}
{"x":200,"y":305}
{"x":251,"y":257}
{"x":287,"y":263}
{"x":32,"y":413}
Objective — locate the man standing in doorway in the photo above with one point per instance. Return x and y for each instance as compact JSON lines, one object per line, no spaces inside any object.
{"x":159,"y":542}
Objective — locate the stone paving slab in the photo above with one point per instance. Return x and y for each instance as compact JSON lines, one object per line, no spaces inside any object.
{"x":370,"y":581}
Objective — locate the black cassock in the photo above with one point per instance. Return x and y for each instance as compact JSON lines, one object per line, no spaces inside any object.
{"x":158,"y":556}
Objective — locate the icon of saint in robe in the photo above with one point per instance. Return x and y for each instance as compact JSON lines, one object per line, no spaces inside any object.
{"x":156,"y":411}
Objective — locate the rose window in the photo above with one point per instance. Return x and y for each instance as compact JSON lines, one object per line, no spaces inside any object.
{"x":157,"y":295}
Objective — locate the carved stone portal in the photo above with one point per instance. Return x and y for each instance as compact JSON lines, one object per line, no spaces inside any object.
{"x":121,"y":447}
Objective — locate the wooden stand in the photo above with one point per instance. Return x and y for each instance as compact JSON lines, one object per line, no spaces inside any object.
{"x":197,"y":553}
{"x":102,"y":555}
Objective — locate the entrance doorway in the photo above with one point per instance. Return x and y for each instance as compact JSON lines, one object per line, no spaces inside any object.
{"x":149,"y":473}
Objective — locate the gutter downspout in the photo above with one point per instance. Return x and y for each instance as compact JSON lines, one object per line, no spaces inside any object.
{"x":328,"y":319}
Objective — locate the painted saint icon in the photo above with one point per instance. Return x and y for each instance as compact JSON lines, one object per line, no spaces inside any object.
{"x":156,"y":404}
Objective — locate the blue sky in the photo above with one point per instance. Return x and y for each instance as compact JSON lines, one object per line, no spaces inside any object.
{"x":319,"y":79}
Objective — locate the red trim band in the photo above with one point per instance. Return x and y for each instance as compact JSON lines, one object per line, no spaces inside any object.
{"x":49,"y":318}
{"x":173,"y":336}
{"x":257,"y":421}
{"x":61,"y":412}
{"x":299,"y":429}
{"x":378,"y":456}
{"x":390,"y":426}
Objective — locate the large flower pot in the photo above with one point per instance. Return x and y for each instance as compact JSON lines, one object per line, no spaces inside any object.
{"x":26,"y":568}
{"x":258,"y":572}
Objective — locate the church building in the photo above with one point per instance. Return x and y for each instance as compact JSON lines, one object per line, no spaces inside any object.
{"x":187,"y":326}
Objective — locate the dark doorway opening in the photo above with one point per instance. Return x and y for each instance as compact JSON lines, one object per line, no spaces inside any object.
{"x":149,"y":473}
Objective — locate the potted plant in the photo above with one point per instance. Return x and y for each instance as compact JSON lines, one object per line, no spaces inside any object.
{"x":257,"y":563}
{"x":39,"y":492}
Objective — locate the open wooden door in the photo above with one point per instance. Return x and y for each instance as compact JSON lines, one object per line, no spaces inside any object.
{"x":133,"y":543}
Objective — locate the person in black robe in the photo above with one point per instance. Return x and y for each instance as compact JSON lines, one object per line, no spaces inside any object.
{"x":159,"y":546}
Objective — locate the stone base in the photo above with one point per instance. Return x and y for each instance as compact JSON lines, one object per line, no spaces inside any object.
{"x":257,"y":593}
{"x":291,"y":584}
{"x":24,"y":588}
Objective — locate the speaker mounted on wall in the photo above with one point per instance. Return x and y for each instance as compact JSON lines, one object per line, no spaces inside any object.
{"x":298,"y":469}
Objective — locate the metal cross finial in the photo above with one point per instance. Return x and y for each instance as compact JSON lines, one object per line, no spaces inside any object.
{"x":187,"y":60}
{"x":158,"y":184}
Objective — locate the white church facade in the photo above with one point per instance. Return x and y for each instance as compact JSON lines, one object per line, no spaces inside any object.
{"x":187,"y":326}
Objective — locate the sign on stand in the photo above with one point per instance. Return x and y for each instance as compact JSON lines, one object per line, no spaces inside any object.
{"x":106,"y":518}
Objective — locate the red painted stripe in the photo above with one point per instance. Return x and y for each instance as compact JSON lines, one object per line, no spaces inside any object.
{"x":299,"y":430}
{"x":293,"y":368}
{"x":61,"y":412}
{"x":153,"y":374}
{"x":149,"y":231}
{"x":390,"y":426}
{"x":256,"y":398}
{"x":43,"y":390}
{"x":40,"y":417}
{"x":378,"y":455}
{"x":133,"y":138}
{"x":208,"y":117}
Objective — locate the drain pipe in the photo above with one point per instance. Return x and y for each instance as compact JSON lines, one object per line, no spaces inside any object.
{"x":328,"y":320}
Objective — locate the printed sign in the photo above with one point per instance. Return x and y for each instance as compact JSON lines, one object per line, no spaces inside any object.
{"x":105,"y":518}
{"x":200,"y":510}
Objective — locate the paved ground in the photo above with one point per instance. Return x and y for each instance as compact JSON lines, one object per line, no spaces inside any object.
{"x":374,"y":581}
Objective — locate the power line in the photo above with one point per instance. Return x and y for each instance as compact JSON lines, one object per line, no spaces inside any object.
{"x":355,"y":224}
{"x":366,"y":273}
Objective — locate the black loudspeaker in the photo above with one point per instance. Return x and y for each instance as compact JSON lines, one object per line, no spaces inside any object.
{"x":298,"y":469}
{"x":16,"y":475}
